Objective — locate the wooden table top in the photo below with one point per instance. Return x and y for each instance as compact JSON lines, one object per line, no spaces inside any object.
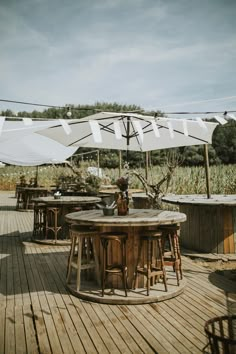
{"x":68,"y":200}
{"x":34,"y":188}
{"x":136,"y":217}
{"x":201,"y":199}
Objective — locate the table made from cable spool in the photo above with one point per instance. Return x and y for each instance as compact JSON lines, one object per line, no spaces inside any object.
{"x":25,"y":196}
{"x":134,"y":223}
{"x":64,"y":205}
{"x":211,"y":222}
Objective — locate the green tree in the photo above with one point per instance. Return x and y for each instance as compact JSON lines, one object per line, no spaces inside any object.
{"x":224,"y":142}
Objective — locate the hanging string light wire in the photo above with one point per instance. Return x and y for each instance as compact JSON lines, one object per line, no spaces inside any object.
{"x":69,"y":108}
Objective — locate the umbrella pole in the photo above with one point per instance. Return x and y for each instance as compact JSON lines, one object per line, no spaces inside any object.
{"x":36,"y":176}
{"x":207,"y":170}
{"x":128,"y":140}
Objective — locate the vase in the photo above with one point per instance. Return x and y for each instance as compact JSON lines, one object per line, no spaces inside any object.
{"x":122,"y":204}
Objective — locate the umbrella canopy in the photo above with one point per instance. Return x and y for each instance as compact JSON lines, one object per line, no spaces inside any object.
{"x":17,"y":129}
{"x":20,"y":145}
{"x":33,"y":150}
{"x":127,"y":131}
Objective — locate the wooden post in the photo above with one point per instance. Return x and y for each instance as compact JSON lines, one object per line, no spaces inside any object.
{"x":36,"y":176}
{"x":98,"y":163}
{"x":120,"y":162}
{"x":146,"y":164}
{"x":207,"y":170}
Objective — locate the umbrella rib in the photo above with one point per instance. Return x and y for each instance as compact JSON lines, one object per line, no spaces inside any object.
{"x":135,"y":135}
{"x":179,"y":132}
{"x":79,"y":140}
{"x":161,"y":126}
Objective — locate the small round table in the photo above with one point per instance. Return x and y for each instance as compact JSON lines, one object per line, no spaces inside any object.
{"x":26,"y":195}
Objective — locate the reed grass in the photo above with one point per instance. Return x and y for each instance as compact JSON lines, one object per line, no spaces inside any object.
{"x":185,"y":180}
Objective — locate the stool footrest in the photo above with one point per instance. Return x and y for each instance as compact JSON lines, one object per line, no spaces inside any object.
{"x":115,"y":269}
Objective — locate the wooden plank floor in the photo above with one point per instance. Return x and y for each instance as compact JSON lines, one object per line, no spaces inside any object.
{"x":38,"y":315}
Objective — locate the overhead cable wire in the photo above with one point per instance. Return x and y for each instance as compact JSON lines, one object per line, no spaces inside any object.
{"x":46,"y":105}
{"x":96,"y":109}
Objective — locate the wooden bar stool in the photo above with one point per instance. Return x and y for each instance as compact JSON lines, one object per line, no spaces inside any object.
{"x":171,"y":248}
{"x":83,"y":254}
{"x":111,"y":268}
{"x":52,"y":222}
{"x":39,"y":219}
{"x":153,"y":267}
{"x":20,"y":199}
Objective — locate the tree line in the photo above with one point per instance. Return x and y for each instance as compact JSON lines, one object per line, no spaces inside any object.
{"x":221,"y":151}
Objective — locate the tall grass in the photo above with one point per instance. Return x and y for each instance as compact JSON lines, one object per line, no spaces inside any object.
{"x":185,"y":180}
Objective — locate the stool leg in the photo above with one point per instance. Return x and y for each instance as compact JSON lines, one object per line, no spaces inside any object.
{"x":47,"y":217}
{"x":41,"y":221}
{"x":72,"y":251}
{"x":149,"y":262}
{"x":55,"y":224}
{"x":176,"y":263}
{"x":80,"y":243}
{"x":36,"y":222}
{"x":124,"y":268}
{"x":162,"y":262}
{"x":135,"y":280}
{"x":179,"y":256}
{"x":97,"y":268}
{"x":104,"y":264}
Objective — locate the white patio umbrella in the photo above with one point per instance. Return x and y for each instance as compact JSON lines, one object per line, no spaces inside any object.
{"x":127,"y":131}
{"x":136,"y":132}
{"x":34,"y":150}
{"x":15,"y":129}
{"x":19,"y":145}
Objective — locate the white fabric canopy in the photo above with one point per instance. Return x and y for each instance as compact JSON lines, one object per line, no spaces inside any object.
{"x":19,"y":145}
{"x":136,"y":132}
{"x":16,"y":129}
{"x":33,"y":150}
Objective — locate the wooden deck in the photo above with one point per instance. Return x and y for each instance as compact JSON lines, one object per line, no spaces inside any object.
{"x":38,"y":315}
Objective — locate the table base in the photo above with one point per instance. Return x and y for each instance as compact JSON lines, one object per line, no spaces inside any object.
{"x":90,"y":291}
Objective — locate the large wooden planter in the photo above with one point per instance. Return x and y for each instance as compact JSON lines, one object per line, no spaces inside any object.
{"x":211,"y":223}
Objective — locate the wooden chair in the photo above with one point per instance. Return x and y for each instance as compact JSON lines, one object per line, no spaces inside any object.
{"x":83,"y":254}
{"x":171,"y":248}
{"x":221,"y":335}
{"x":114,"y":268}
{"x":153,"y":267}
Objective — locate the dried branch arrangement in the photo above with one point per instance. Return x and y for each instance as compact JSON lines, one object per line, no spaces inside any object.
{"x":156,"y":191}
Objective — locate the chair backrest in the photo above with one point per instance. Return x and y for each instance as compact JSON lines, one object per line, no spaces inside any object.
{"x":221,"y":333}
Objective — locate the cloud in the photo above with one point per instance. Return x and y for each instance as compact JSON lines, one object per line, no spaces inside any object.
{"x":130,"y":51}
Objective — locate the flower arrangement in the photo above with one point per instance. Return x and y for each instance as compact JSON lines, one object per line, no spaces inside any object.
{"x":122,"y":197}
{"x":122,"y":183}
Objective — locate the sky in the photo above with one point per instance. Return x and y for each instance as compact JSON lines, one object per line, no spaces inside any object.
{"x":168,"y":55}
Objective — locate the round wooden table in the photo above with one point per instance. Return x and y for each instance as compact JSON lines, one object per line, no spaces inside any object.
{"x":64,"y":201}
{"x":211,"y":222}
{"x":134,"y":223}
{"x":65,"y":204}
{"x":25,"y":196}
